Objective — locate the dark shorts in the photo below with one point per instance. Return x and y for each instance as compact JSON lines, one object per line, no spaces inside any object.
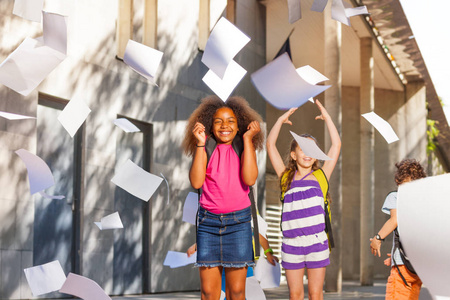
{"x":224,"y":239}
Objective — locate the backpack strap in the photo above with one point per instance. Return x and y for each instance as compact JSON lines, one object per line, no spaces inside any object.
{"x":397,"y":245}
{"x":324,"y":186}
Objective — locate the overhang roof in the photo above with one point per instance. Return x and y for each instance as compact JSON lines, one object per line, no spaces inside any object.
{"x":391,"y":22}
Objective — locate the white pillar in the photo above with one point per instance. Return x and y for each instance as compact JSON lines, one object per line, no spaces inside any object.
{"x":367,"y":101}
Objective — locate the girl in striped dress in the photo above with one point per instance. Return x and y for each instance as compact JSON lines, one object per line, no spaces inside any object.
{"x":305,"y":243}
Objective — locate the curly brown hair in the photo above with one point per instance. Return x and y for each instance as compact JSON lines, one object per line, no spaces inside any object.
{"x":205,"y":112}
{"x":291,"y":165}
{"x":408,"y":169}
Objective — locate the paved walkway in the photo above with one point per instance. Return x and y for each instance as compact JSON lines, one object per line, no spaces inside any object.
{"x":350,"y":290}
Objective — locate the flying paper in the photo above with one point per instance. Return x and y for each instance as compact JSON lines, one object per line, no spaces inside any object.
{"x":126,"y":125}
{"x":179,"y":259}
{"x":268,"y":276}
{"x":224,"y":42}
{"x":142,"y":59}
{"x":45,"y":195}
{"x":29,"y":9}
{"x":427,"y":243}
{"x":11,"y":116}
{"x":83,"y":288}
{"x":224,"y":87}
{"x":341,"y":11}
{"x":190,"y":208}
{"x":280,"y":84}
{"x":73,"y":115}
{"x":309,"y":147}
{"x":45,"y":278}
{"x":39,"y":174}
{"x":311,"y":76}
{"x":27,"y":66}
{"x":222,"y":295}
{"x":253,"y":290}
{"x":383,"y":127}
{"x":136,"y":181}
{"x":111,"y":221}
{"x":295,"y":11}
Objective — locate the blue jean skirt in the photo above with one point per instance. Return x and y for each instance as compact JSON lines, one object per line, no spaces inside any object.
{"x":224,"y":239}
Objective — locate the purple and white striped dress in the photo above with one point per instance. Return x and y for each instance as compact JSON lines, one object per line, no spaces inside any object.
{"x":305,"y":243}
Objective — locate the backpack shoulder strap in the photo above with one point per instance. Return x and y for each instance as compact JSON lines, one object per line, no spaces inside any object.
{"x":323,"y":182}
{"x":324,"y":186}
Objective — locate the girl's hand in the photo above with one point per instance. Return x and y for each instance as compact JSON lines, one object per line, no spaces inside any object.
{"x":387,"y":261}
{"x":252,"y":130}
{"x":271,"y":258}
{"x":323,"y":111}
{"x":285,"y":117}
{"x":199,"y":133}
{"x":192,"y":249}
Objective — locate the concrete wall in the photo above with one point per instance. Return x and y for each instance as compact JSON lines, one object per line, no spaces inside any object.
{"x":92,"y":73}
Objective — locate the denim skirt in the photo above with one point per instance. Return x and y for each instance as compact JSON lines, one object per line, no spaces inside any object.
{"x":224,"y":239}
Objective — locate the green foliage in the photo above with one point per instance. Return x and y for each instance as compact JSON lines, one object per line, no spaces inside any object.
{"x":432,"y":133}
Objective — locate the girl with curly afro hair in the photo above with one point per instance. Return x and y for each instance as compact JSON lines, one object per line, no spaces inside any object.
{"x":402,"y":283}
{"x":224,"y":234}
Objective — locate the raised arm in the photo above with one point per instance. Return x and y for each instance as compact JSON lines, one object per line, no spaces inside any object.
{"x":386,"y":230}
{"x":249,"y":166}
{"x":274,"y":155}
{"x":197,"y":172}
{"x":335,"y":149}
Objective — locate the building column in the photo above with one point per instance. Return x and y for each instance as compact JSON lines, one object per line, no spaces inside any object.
{"x":150,"y":23}
{"x":367,"y":101}
{"x":333,"y":278}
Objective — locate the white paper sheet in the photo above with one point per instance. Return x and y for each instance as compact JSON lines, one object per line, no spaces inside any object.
{"x":168,"y":188}
{"x":11,"y":116}
{"x":29,"y":9}
{"x":262,"y":226}
{"x":55,"y":31}
{"x":319,"y":5}
{"x":190,"y":208}
{"x":253,"y":290}
{"x":39,"y":174}
{"x":341,"y":11}
{"x":142,"y":59}
{"x":279,"y":83}
{"x":224,"y":42}
{"x":424,"y":229}
{"x":73,"y":115}
{"x":45,"y":278}
{"x":295,"y":11}
{"x":83,"y":288}
{"x":311,"y":76}
{"x":126,"y":125}
{"x":136,"y":180}
{"x":224,"y":87}
{"x":268,"y":276}
{"x":176,"y":259}
{"x":111,"y":221}
{"x":309,"y":147}
{"x":222,"y":295}
{"x":383,"y":127}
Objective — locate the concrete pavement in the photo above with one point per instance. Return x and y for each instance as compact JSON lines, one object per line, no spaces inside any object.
{"x":350,"y":290}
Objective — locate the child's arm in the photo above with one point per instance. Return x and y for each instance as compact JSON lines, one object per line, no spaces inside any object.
{"x":274,"y":155}
{"x":249,"y":167}
{"x":191,"y":250}
{"x":386,"y":230}
{"x":197,"y":172}
{"x":269,"y":255}
{"x":335,"y":149}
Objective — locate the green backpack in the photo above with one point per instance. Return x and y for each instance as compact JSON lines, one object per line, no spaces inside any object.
{"x":323,"y":182}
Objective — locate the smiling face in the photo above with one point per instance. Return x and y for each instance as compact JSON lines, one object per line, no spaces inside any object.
{"x":225,"y":125}
{"x":302,"y":160}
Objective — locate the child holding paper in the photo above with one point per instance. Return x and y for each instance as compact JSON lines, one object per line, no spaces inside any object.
{"x":402,"y":284}
{"x":224,"y":234}
{"x":305,"y":243}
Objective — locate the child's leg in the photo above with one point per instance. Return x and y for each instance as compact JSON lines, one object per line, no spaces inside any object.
{"x":210,"y":280}
{"x":295,"y":284}
{"x":235,"y":283}
{"x":316,"y":277}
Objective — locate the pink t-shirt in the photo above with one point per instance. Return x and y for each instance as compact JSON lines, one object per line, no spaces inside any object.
{"x":223,"y":189}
